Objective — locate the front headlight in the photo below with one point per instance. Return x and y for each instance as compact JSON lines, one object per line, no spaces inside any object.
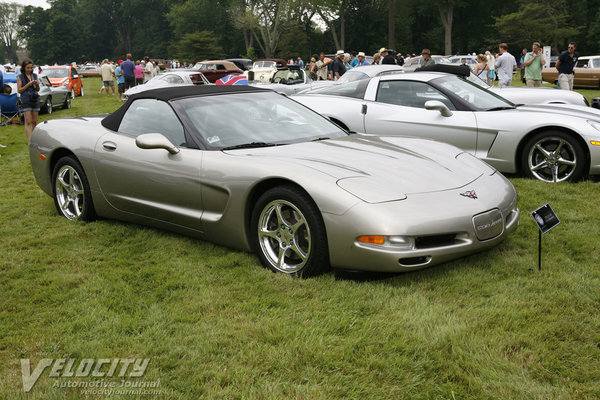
{"x":476,"y":163}
{"x":594,"y":124}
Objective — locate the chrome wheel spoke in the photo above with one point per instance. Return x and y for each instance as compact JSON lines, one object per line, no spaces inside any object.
{"x":566,"y":162}
{"x":544,"y":152}
{"x":279,"y":214}
{"x":65,"y":203}
{"x":555,"y":173}
{"x":299,"y":251}
{"x":281,"y":258}
{"x":265,"y":233}
{"x":77,"y":208}
{"x":61,"y":180}
{"x":542,"y":165}
{"x":556,"y":152}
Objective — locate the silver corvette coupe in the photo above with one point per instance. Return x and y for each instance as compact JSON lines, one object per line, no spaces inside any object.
{"x":550,"y":142}
{"x":253,"y":170}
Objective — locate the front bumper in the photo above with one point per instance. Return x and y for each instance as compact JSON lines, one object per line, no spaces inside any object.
{"x":442,"y":226}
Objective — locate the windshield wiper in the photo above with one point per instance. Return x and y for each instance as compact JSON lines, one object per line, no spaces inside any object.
{"x":501,"y":108}
{"x":249,"y":145}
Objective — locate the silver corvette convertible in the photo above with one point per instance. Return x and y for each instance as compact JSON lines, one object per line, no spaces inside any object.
{"x":251,"y":169}
{"x":550,"y":142}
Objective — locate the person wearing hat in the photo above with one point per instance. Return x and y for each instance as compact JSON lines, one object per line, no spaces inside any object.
{"x":386,"y":58}
{"x":427,"y":60}
{"x":338,"y":65}
{"x":361,"y":58}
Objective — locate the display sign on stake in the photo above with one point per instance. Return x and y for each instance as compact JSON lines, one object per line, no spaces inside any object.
{"x":546,"y":219}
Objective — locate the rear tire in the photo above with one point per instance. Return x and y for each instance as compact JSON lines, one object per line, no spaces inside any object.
{"x":288,"y":233}
{"x":553,"y":156}
{"x":71,"y":191}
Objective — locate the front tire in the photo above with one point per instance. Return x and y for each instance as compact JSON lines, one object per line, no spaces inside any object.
{"x":288,"y":233}
{"x":554,"y":156}
{"x":48,"y":105}
{"x":67,"y":103}
{"x":72,"y":195}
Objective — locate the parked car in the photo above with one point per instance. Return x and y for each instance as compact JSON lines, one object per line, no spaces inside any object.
{"x":275,"y":178}
{"x":242,"y":63}
{"x":415,"y":62}
{"x":262,"y":70}
{"x":51,"y":97}
{"x":467,"y":59}
{"x":587,"y":72}
{"x":550,"y":142}
{"x":65,"y":76}
{"x":173,"y":77}
{"x":89,"y":70}
{"x":216,"y":69}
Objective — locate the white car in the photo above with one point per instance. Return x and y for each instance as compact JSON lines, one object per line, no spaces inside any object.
{"x":173,"y":77}
{"x":549,"y":142}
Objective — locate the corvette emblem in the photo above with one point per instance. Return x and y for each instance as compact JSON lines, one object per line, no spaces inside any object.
{"x":470,"y":194}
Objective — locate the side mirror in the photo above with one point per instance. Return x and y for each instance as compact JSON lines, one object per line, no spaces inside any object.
{"x":155,"y":141}
{"x":438,"y":105}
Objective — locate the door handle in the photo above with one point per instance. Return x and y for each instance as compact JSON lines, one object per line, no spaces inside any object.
{"x":111,"y":146}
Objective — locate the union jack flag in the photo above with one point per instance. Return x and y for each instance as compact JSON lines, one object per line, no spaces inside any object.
{"x":232,"y":80}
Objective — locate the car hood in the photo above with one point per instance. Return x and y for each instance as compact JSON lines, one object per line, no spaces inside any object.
{"x":526,"y":95}
{"x":565,"y":109}
{"x":58,"y":81}
{"x":378,"y":168}
{"x":147,"y":86}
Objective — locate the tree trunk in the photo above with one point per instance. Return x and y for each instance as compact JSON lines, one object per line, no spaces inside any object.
{"x":342,"y":26}
{"x":392,"y":24}
{"x":446,"y":13}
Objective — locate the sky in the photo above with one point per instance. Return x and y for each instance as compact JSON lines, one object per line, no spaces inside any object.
{"x":35,"y":3}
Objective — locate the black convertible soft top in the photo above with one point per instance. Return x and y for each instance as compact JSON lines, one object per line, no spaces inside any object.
{"x":456,"y":69}
{"x":113,"y":120}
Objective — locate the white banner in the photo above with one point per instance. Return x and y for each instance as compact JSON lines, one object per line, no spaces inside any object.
{"x":547,"y":56}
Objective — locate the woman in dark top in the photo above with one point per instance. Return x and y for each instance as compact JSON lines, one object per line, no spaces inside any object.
{"x":28,"y":87}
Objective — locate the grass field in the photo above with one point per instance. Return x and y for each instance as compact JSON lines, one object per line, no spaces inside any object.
{"x":216,"y":325}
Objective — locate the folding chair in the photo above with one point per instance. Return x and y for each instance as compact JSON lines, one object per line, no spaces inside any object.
{"x":9,"y":109}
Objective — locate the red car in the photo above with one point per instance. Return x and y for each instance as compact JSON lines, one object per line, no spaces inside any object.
{"x":65,"y":76}
{"x":216,"y":69}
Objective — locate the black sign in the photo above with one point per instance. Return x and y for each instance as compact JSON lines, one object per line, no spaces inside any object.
{"x":545,"y":218}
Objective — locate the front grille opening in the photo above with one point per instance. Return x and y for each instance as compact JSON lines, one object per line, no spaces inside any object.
{"x":411,"y":261}
{"x":428,"y":242}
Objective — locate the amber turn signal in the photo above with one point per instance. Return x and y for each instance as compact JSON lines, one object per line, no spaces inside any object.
{"x":372,"y":239}
{"x":43,"y":157}
{"x":595,"y":142}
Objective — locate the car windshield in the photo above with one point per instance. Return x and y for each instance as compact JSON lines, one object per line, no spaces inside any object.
{"x":57,"y":72}
{"x":354,"y":89}
{"x":351,"y":76}
{"x":45,"y":81}
{"x":477,"y":97}
{"x":253,"y":118}
{"x":206,"y":67}
{"x":288,"y":76}
{"x":264,"y":64}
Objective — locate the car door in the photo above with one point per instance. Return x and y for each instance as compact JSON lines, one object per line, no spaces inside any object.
{"x":399,"y":109}
{"x":151,"y":182}
{"x":76,"y":81}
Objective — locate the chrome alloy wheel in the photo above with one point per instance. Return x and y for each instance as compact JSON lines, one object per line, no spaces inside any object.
{"x":284,"y":236}
{"x":69,"y":192}
{"x":552,"y":159}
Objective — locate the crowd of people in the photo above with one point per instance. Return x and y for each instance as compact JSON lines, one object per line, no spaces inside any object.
{"x":499,"y":65}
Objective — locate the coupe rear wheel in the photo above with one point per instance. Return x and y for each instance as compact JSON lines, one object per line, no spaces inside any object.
{"x":554,"y":156}
{"x":288,"y":233}
{"x":48,"y":105}
{"x":81,"y":91}
{"x":72,"y":196}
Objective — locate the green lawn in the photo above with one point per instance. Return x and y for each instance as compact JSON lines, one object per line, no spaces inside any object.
{"x":216,"y":325}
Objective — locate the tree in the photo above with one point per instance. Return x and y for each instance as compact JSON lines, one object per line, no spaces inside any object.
{"x":9,"y":15}
{"x":198,"y":46}
{"x":446,"y":9}
{"x":547,"y":21}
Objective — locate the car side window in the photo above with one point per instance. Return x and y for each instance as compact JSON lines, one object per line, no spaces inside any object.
{"x":73,"y":72}
{"x":221,"y":67}
{"x":173,"y":79}
{"x":152,"y":116}
{"x":196,"y":79}
{"x":410,"y":94}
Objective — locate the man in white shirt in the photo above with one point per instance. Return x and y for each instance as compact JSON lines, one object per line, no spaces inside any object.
{"x":505,"y":65}
{"x":148,"y":69}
